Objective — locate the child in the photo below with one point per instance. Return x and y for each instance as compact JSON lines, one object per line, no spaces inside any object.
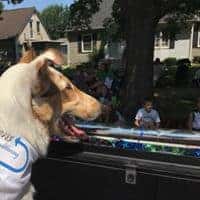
{"x":147,"y":117}
{"x":194,"y":118}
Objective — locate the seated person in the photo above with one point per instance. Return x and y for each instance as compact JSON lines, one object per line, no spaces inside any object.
{"x":194,"y":118}
{"x":196,"y":79}
{"x":147,"y":117}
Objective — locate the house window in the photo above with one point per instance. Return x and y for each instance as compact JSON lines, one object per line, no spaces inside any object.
{"x":198,"y":36}
{"x":87,"y":43}
{"x":64,"y":49}
{"x":25,"y":38}
{"x":165,"y":42}
{"x":161,"y":41}
{"x":157,"y":40}
{"x":38,"y":27}
{"x":31,"y":28}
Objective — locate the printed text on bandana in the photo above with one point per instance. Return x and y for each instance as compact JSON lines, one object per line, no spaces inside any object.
{"x":14,"y":153}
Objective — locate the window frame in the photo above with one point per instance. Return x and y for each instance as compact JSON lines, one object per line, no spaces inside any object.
{"x":31,"y":29}
{"x":198,"y":37}
{"x":160,"y":39}
{"x":64,"y":49}
{"x":38,"y":25}
{"x":82,"y":43}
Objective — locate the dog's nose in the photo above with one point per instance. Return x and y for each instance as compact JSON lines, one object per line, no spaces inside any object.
{"x":94,"y":113}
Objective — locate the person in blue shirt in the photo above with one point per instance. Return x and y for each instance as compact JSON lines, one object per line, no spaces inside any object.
{"x":147,"y":117}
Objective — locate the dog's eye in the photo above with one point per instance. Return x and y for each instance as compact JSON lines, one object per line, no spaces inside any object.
{"x":68,"y":87}
{"x":50,"y":63}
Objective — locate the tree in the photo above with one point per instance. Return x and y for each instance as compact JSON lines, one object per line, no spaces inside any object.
{"x":55,"y":19}
{"x":138,"y":20}
{"x":14,"y":1}
{"x":9,"y":1}
{"x":1,"y":7}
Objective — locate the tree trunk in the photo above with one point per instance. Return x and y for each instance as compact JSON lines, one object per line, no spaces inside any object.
{"x":140,"y":25}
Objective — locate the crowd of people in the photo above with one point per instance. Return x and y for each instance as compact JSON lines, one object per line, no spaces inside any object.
{"x":104,"y":84}
{"x":182,"y":74}
{"x":148,"y":118}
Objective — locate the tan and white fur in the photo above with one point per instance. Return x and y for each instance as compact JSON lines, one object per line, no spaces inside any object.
{"x":24,"y":113}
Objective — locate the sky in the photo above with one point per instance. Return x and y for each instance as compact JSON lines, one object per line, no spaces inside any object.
{"x":39,"y":4}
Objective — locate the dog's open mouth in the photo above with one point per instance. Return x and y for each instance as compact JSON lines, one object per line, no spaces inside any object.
{"x":68,"y":126}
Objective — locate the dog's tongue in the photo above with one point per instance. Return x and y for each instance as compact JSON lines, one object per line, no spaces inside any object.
{"x":70,"y":129}
{"x":74,"y":131}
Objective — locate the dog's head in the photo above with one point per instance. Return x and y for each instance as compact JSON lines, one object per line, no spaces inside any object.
{"x":74,"y":101}
{"x":55,"y":95}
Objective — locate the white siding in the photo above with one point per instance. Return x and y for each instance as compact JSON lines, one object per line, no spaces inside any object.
{"x":180,"y":49}
{"x":25,"y":35}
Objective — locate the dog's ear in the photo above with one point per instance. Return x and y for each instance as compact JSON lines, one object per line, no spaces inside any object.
{"x":58,"y":79}
{"x":51,"y":55}
{"x":28,"y":56}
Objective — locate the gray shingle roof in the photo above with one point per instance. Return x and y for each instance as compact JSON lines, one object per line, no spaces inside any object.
{"x":104,"y":12}
{"x":12,"y":22}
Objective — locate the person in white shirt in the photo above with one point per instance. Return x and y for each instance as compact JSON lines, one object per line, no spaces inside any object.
{"x":196,"y":78}
{"x":158,"y":69}
{"x":194,"y":117}
{"x":147,"y":117}
{"x":108,"y":82}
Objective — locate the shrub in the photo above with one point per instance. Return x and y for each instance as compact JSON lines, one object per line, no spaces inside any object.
{"x":183,"y":61}
{"x":96,"y":56}
{"x":170,"y":61}
{"x":196,"y":59}
{"x":68,"y":71}
{"x":165,"y":81}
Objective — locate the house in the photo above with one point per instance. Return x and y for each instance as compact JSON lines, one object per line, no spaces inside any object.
{"x":19,"y":28}
{"x":185,"y":45}
{"x":83,"y":43}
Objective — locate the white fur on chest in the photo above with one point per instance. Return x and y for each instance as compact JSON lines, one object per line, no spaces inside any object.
{"x":16,"y":116}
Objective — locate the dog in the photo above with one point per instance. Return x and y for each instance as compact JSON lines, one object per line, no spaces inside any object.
{"x":34,"y":96}
{"x":41,"y":106}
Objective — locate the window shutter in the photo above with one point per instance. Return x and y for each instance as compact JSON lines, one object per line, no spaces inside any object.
{"x":195,"y":36}
{"x":95,"y":40}
{"x":171,"y":43}
{"x":79,"y":44}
